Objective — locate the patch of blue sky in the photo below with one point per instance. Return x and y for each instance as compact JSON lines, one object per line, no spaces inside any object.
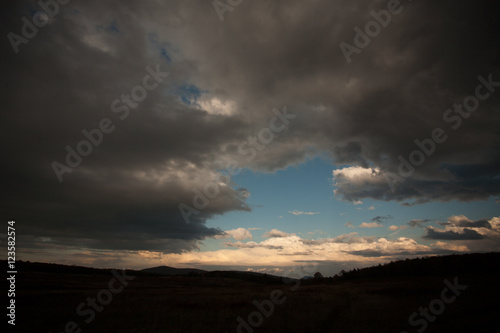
{"x":163,"y":48}
{"x":188,"y":93}
{"x":165,"y":55}
{"x":110,"y":28}
{"x":304,"y":188}
{"x":33,"y":10}
{"x":307,"y":189}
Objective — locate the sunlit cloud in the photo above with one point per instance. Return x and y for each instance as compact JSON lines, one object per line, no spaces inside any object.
{"x":237,"y":234}
{"x":396,"y":227}
{"x":370,"y":225}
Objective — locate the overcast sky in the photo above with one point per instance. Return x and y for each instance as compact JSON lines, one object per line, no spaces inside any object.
{"x":260,"y":135}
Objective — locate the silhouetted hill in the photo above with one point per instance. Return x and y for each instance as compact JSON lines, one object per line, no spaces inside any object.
{"x":457,"y":264}
{"x":246,"y":276}
{"x":384,"y":298}
{"x":27,"y":266}
{"x":238,"y":275}
{"x":166,"y":270}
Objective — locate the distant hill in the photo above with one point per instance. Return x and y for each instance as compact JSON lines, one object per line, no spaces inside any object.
{"x":458,"y":264}
{"x":246,"y":276}
{"x":238,"y":275}
{"x":27,"y":266}
{"x":166,"y":270}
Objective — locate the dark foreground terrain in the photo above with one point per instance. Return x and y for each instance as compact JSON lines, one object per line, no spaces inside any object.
{"x":462,"y":293}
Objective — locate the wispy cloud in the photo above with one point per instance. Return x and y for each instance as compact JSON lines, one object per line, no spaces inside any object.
{"x":297,"y":212}
{"x":418,"y":222}
{"x":321,"y":232}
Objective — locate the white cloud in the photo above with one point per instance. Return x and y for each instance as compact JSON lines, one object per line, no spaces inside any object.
{"x":371,"y":208}
{"x":214,"y":105}
{"x":357,"y":202}
{"x":357,"y":175}
{"x":370,"y":225}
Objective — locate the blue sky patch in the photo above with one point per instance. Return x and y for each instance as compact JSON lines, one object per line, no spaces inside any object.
{"x":164,"y":48}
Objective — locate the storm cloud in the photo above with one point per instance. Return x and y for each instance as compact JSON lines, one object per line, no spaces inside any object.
{"x":226,"y":81}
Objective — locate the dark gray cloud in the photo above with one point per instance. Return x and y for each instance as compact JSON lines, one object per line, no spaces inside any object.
{"x":382,"y":219}
{"x":466,"y":234}
{"x":418,"y":222}
{"x":466,"y":223}
{"x":224,"y":80}
{"x":350,"y":238}
{"x":462,"y":228}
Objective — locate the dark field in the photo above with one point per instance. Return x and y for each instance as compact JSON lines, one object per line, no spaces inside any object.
{"x":46,"y":301}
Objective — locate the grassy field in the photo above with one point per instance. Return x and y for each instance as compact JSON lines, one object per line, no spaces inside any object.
{"x":47,"y":301}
